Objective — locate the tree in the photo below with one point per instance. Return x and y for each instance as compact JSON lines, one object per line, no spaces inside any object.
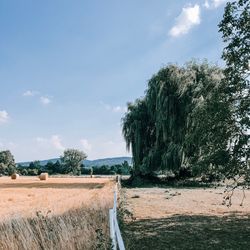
{"x":7,"y":163}
{"x":209,"y":124}
{"x":50,"y":167}
{"x":2,"y":169}
{"x":181,"y":123}
{"x":33,"y":171}
{"x":58,"y":167}
{"x":124,"y":168}
{"x":235,"y":29}
{"x":136,"y":131}
{"x":23,"y":171}
{"x":72,"y":159}
{"x":35,"y":165}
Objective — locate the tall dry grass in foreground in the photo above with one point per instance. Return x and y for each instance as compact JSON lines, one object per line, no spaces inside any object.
{"x":81,"y":228}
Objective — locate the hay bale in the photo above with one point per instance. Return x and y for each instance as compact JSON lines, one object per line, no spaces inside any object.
{"x":14,"y":176}
{"x":43,"y":176}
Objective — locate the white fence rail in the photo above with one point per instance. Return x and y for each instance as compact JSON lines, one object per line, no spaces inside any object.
{"x":115,"y":233}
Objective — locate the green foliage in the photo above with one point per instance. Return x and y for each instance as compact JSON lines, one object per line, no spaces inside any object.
{"x":23,"y":171}
{"x":72,"y":159}
{"x":33,"y":172}
{"x":7,"y":163}
{"x":30,"y":170}
{"x":182,"y":122}
{"x":54,"y":168}
{"x":35,"y":168}
{"x":34,"y":165}
{"x":235,"y":29}
{"x":198,"y":116}
{"x":137,"y":131}
{"x":123,"y":169}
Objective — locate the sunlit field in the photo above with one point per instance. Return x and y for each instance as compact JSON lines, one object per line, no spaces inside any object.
{"x":60,"y":213}
{"x":185,"y":218}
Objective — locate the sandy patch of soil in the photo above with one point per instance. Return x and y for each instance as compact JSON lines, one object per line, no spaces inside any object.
{"x":164,"y":202}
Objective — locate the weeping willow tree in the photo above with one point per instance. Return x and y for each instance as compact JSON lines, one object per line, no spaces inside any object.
{"x":137,"y":130}
{"x":182,"y":122}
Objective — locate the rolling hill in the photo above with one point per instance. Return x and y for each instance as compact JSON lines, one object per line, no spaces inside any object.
{"x":88,"y":163}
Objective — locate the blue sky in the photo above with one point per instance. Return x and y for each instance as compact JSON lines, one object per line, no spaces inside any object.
{"x":68,"y":67}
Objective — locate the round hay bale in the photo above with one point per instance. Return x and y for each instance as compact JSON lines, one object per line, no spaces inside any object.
{"x":14,"y":176}
{"x":43,"y":176}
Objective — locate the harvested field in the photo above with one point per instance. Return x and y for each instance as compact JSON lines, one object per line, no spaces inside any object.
{"x":59,"y":213}
{"x":28,"y":195}
{"x":160,"y":202}
{"x":179,"y":218}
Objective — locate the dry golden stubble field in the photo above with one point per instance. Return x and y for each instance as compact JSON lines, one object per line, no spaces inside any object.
{"x":60,"y":213}
{"x":28,"y":195}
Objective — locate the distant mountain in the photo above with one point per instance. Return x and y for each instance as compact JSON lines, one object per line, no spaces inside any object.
{"x":107,"y":161}
{"x":88,"y":163}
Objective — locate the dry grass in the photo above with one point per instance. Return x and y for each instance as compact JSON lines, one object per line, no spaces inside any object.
{"x":82,"y":228}
{"x":162,"y":202}
{"x":60,"y":213}
{"x":174,"y":218}
{"x":27,"y":195}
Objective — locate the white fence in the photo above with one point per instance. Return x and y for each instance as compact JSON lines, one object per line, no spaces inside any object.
{"x":115,"y":233}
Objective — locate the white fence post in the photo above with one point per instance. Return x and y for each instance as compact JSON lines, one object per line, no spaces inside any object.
{"x":112,"y":228}
{"x":115,"y":233}
{"x":115,"y":204}
{"x":119,"y":236}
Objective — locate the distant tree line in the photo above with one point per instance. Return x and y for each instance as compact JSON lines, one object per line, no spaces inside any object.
{"x":35,"y":168}
{"x":70,"y":163}
{"x":122,"y":169}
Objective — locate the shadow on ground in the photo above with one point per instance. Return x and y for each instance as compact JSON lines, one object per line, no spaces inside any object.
{"x":188,"y":232}
{"x":166,"y":183}
{"x":52,"y":185}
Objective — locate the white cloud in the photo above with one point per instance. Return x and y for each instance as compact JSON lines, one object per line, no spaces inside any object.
{"x":30,"y":93}
{"x":48,"y":147}
{"x":4,"y":116}
{"x":108,"y":148}
{"x":213,"y":4}
{"x":206,"y":4}
{"x":115,"y":109}
{"x":45,"y":100}
{"x":86,"y":145}
{"x":189,"y":17}
{"x":12,"y":145}
{"x":119,"y":109}
{"x":54,"y":142}
{"x":40,"y":139}
{"x":8,"y":145}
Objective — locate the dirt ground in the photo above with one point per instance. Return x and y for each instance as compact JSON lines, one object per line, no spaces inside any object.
{"x":185,"y":218}
{"x":156,"y":203}
{"x":28,"y":195}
